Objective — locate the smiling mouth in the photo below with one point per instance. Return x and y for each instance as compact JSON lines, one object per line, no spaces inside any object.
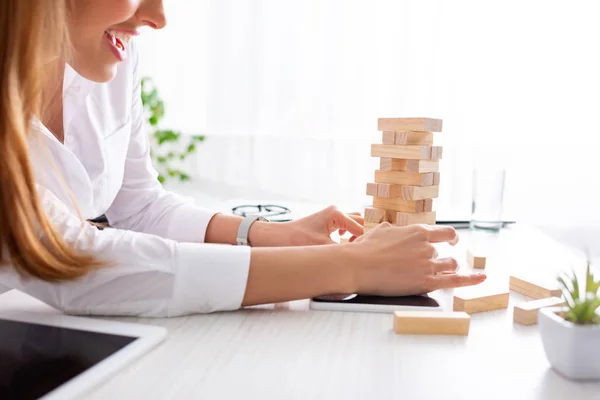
{"x":118,"y":38}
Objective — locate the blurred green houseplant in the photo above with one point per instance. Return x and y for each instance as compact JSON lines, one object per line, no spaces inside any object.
{"x":582,"y":306}
{"x":168,"y":148}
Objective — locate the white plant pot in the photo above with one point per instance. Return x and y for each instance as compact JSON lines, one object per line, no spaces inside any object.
{"x":572,"y":350}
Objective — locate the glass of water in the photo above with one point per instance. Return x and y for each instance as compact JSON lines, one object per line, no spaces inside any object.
{"x":488,"y":194}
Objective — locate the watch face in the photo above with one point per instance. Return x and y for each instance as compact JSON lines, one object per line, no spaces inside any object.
{"x":269,"y":212}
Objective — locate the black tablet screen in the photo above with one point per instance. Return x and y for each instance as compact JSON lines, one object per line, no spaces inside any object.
{"x":414,"y":301}
{"x":36,"y":359}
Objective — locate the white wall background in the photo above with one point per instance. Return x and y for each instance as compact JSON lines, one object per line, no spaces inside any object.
{"x":289,"y":93}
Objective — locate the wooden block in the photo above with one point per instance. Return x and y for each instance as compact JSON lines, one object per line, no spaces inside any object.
{"x":388,"y":137}
{"x":413,"y":138}
{"x":411,"y":206}
{"x":404,"y":192}
{"x":375,"y":215}
{"x":418,"y":192}
{"x":422,"y":166}
{"x":405,"y":219}
{"x":386,"y":190}
{"x":372,"y":189}
{"x":400,"y":164}
{"x":436,"y":153}
{"x":405,"y":178}
{"x":431,"y":323}
{"x":409,"y":124}
{"x":478,"y":300}
{"x":527,"y":313}
{"x":407,"y":152}
{"x":476,"y":260}
{"x":436,"y":179}
{"x":392,"y":164}
{"x":344,"y":240}
{"x":535,"y":288}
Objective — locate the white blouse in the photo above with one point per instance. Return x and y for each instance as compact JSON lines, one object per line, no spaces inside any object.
{"x":159,"y":265}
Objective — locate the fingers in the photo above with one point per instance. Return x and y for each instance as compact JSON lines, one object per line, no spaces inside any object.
{"x":447,"y":281}
{"x":349,"y":223}
{"x":439,"y":234}
{"x":355,"y":216}
{"x":444,"y":265}
{"x":358,"y":218}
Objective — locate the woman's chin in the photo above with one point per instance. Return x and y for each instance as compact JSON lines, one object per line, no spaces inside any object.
{"x":97,"y":73}
{"x":103,"y":75}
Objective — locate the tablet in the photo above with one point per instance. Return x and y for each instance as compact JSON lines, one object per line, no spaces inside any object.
{"x":54,"y":356}
{"x":360,"y":303}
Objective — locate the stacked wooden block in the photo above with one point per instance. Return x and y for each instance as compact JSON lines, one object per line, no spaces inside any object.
{"x":408,"y":176}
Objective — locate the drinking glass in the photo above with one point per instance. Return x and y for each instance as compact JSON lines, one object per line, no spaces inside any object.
{"x":488,"y":193}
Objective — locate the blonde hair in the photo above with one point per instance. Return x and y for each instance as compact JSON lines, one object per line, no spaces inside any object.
{"x":31,"y":31}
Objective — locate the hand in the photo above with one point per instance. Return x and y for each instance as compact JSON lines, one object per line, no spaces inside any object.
{"x":312,"y":230}
{"x":400,"y":261}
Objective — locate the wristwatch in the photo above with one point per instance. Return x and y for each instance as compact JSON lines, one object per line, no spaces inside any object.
{"x":242,"y":235}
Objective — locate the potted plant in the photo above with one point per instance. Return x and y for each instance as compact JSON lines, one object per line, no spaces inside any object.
{"x":571,"y":334}
{"x":169,"y":149}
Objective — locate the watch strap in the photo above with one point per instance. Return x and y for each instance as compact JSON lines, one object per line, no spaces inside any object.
{"x":242,"y":234}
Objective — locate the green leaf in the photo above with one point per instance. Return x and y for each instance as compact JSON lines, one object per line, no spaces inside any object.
{"x":589,"y":280}
{"x":182,"y":157}
{"x":566,"y":291}
{"x":198,"y":138}
{"x":161,"y":179}
{"x":587,"y":310}
{"x":575,"y":293}
{"x":166,"y":136}
{"x":191,"y":148}
{"x":184,"y":177}
{"x":591,"y":286}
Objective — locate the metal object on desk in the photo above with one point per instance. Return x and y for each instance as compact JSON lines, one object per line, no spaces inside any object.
{"x":275,"y":213}
{"x":467,"y":224}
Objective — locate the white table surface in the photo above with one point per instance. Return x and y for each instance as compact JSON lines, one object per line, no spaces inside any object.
{"x":286,"y":351}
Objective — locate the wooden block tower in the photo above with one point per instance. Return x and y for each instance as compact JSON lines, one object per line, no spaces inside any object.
{"x":408,"y":176}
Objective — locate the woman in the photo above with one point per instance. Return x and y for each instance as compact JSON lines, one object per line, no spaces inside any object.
{"x":163,"y":256}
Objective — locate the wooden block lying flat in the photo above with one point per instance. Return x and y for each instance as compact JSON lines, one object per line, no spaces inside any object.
{"x":527,"y":313}
{"x":405,"y":219}
{"x":407,"y":138}
{"x":535,"y":288}
{"x":418,"y":192}
{"x":476,"y":260}
{"x":409,"y":124}
{"x":407,"y":152}
{"x":413,"y":138}
{"x":410,"y":206}
{"x":431,"y":323}
{"x":344,"y":240}
{"x":479,"y":300}
{"x":405,"y":178}
{"x":404,"y":192}
{"x":400,"y":164}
